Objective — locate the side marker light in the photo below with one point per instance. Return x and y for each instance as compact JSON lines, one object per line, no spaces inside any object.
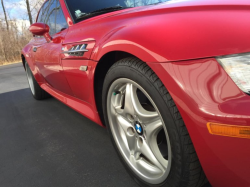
{"x":229,"y":130}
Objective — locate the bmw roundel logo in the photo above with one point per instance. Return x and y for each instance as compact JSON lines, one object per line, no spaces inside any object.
{"x":138,"y":128}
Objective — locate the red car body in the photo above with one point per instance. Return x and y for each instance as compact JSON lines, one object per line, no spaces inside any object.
{"x":179,"y":41}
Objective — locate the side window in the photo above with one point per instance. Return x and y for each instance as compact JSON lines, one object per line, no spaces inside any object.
{"x":51,"y":13}
{"x":51,"y":16}
{"x":61,"y":22}
{"x":42,"y":13}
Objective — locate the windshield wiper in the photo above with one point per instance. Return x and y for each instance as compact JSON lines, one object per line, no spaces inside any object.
{"x":101,"y":11}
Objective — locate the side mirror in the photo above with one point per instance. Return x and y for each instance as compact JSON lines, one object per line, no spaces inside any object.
{"x":40,"y":29}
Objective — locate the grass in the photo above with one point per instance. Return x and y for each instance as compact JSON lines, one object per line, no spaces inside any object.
{"x":8,"y":63}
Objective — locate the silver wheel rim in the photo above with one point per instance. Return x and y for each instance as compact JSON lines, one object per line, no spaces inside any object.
{"x":30,"y":80}
{"x":136,"y":131}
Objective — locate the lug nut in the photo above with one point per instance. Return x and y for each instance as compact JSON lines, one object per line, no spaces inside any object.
{"x":140,"y":142}
{"x":131,"y":131}
{"x":130,"y":117}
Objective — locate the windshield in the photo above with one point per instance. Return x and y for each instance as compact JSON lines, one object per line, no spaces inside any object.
{"x":81,"y":9}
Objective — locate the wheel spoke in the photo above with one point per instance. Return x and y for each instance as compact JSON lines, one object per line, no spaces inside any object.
{"x":129,"y":132}
{"x":130,"y":94}
{"x":146,"y":151}
{"x":133,"y":106}
{"x":117,"y":103}
{"x":144,"y":115}
{"x":152,"y":129}
{"x":142,"y":164}
{"x":124,"y":123}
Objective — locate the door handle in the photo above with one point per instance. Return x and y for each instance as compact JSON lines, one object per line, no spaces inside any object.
{"x":34,"y":49}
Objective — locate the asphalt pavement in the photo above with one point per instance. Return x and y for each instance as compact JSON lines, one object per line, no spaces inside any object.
{"x":47,"y":144}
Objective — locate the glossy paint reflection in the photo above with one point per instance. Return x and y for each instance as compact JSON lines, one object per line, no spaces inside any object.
{"x":205,"y":93}
{"x":209,"y":86}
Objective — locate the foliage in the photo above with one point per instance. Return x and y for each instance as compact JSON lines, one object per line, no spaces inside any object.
{"x":14,"y":33}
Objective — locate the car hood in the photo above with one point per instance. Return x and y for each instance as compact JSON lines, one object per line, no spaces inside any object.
{"x":192,"y":3}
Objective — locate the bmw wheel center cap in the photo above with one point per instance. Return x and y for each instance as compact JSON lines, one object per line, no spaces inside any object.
{"x":138,"y":128}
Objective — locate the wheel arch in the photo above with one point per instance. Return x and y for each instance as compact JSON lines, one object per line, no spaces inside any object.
{"x":152,"y":79}
{"x":103,"y":66}
{"x":23,"y":61}
{"x":27,"y":59}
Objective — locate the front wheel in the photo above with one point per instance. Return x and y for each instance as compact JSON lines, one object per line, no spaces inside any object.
{"x":147,"y":129}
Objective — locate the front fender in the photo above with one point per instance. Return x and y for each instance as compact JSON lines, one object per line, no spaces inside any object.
{"x":131,"y":47}
{"x":175,"y":34}
{"x":29,"y":58}
{"x":26,"y":52}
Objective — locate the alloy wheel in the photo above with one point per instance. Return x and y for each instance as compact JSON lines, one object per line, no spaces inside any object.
{"x":139,"y":131}
{"x":30,"y":79}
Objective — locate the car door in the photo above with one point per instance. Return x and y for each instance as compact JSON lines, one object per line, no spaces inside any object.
{"x":78,"y":68}
{"x":48,"y":54}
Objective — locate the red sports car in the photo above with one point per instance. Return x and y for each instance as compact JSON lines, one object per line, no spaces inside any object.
{"x":169,"y":79}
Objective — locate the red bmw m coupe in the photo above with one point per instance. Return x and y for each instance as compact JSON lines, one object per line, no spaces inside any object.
{"x":170,"y":79}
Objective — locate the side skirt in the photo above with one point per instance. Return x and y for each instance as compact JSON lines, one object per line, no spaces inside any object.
{"x":80,"y":106}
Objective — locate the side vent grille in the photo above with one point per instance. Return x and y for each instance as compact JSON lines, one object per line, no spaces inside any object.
{"x":77,"y":50}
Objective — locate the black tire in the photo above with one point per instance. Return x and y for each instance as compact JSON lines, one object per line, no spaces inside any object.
{"x":186,"y":170}
{"x":37,"y":92}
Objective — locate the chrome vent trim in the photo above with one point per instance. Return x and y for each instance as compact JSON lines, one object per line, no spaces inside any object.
{"x":77,"y":50}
